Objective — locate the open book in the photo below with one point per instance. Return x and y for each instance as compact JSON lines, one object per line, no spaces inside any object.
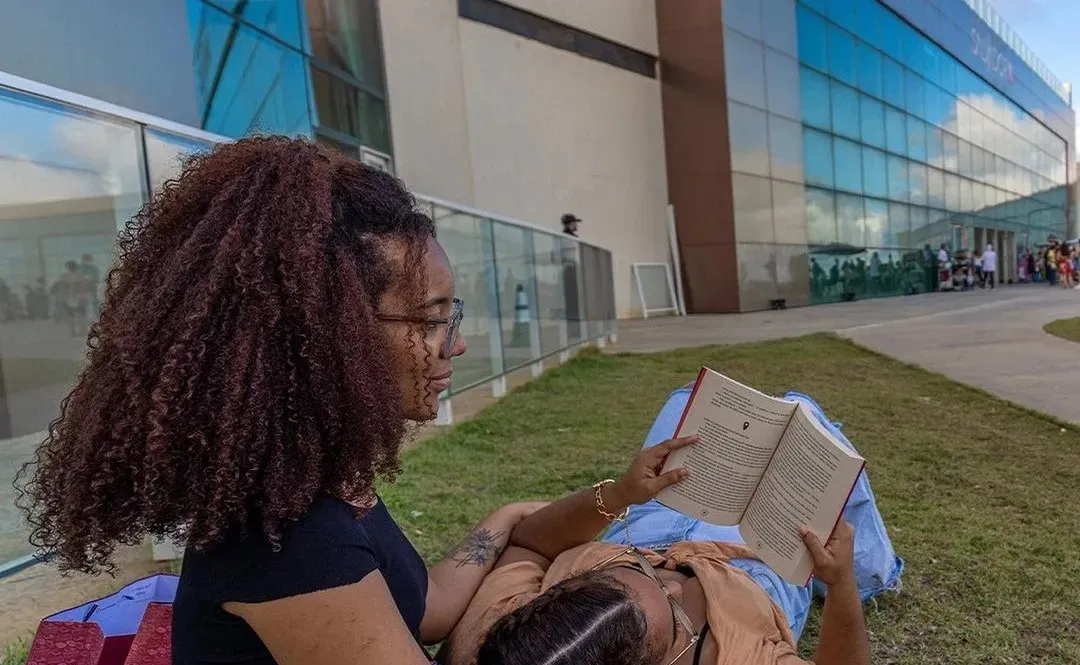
{"x":764,"y":464}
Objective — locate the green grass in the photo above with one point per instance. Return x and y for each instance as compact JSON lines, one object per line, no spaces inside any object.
{"x":15,"y":652}
{"x":1065,"y":328}
{"x":979,"y":495}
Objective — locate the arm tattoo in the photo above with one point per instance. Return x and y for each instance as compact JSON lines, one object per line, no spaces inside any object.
{"x":479,"y":548}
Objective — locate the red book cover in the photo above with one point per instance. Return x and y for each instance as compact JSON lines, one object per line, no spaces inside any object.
{"x":153,"y":642}
{"x":67,"y":643}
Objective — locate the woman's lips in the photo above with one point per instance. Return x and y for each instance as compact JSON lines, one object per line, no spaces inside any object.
{"x":441,"y":384}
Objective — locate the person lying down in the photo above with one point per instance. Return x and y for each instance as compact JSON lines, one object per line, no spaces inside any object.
{"x":663,"y":588}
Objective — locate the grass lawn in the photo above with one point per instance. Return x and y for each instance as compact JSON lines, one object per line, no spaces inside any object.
{"x":980,"y":496}
{"x":1065,"y":328}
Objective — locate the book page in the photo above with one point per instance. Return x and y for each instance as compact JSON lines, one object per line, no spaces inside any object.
{"x":739,"y":429}
{"x":807,"y":484}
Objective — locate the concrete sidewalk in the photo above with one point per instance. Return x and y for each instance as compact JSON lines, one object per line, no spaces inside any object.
{"x":991,"y":340}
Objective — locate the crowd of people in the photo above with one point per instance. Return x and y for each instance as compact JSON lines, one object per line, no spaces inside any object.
{"x":71,"y":300}
{"x":1055,"y":263}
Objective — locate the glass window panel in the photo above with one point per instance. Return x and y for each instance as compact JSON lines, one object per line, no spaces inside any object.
{"x":814,"y":96}
{"x":513,"y":246}
{"x":782,"y":84}
{"x":820,"y":216}
{"x":813,"y":43}
{"x":978,"y":164}
{"x":875,"y":175}
{"x":841,"y":12}
{"x":280,"y":18}
{"x":345,"y":108}
{"x":818,"y":156}
{"x":789,"y":212}
{"x":920,"y":219}
{"x":939,"y":106}
{"x":749,"y":139}
{"x":468,"y":242}
{"x":931,"y":55}
{"x":779,"y":30}
{"x":877,"y":225}
{"x":246,"y":82}
{"x":895,"y":131}
{"x":753,"y":209}
{"x":68,"y":183}
{"x":935,"y":188}
{"x":850,"y":229}
{"x":165,"y":153}
{"x":899,"y":179}
{"x":785,"y":148}
{"x":966,"y":197}
{"x":847,"y":165}
{"x":948,"y":74}
{"x":345,"y":34}
{"x":845,"y":110}
{"x":841,"y":54}
{"x":952,"y":152}
{"x":892,"y":35}
{"x":872,"y":121}
{"x":913,"y":49}
{"x":917,"y":182}
{"x":899,"y":226}
{"x":868,"y":20}
{"x":744,"y":17}
{"x":964,"y":158}
{"x":916,"y":131}
{"x":745,"y":83}
{"x":819,"y":5}
{"x":935,"y":147}
{"x":952,"y":192}
{"x":869,"y":69}
{"x":914,"y":93}
{"x":892,"y":81}
{"x":550,"y":293}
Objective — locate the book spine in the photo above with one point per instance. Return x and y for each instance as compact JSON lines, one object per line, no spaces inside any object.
{"x":690,"y":402}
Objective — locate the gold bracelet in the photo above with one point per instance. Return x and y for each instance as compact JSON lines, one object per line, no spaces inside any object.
{"x":601,"y":508}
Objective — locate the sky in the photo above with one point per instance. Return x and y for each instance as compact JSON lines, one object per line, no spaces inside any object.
{"x":1051,"y":29}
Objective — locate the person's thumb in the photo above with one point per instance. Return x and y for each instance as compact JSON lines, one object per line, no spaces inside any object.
{"x":813,"y":543}
{"x":667,"y":479}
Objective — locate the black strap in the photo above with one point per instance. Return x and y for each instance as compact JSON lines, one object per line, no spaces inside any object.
{"x":701,"y":643}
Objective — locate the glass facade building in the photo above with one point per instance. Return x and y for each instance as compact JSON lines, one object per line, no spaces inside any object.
{"x":309,"y":67}
{"x":862,"y":133}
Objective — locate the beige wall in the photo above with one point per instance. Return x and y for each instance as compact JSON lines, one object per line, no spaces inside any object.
{"x":545,"y":131}
{"x":427,"y":97}
{"x":629,"y":22}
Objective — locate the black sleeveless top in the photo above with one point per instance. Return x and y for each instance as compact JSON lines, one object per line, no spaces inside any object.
{"x":328,"y":547}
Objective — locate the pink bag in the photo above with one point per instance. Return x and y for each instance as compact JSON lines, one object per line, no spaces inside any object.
{"x":131,"y":627}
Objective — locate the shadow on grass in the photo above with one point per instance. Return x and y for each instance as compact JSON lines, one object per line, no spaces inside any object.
{"x":978,"y":494}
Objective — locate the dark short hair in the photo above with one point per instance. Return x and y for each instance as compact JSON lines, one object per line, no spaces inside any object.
{"x":591,"y":619}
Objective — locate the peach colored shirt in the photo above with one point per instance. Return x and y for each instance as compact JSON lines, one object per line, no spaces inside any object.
{"x":746,"y":625}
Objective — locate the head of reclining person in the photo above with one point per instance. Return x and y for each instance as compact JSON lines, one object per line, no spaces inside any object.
{"x":617,"y":615}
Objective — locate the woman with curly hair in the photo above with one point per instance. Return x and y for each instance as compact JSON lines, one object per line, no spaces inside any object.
{"x":277,"y":317}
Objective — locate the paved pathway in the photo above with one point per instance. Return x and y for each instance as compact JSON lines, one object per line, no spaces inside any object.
{"x":991,"y":340}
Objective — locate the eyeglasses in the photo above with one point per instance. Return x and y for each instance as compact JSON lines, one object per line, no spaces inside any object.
{"x":639,"y":562}
{"x":452,"y":323}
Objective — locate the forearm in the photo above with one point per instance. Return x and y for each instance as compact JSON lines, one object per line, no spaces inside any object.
{"x":453,"y":581}
{"x":568,"y":522}
{"x":843,"y":630}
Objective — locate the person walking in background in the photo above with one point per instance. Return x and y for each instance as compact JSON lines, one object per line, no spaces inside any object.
{"x":1050,"y":259}
{"x":74,"y":293}
{"x":1065,"y":267}
{"x":989,"y":266}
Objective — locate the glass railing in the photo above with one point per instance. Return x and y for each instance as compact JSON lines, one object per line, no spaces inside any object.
{"x":530,"y":294}
{"x":73,"y":170}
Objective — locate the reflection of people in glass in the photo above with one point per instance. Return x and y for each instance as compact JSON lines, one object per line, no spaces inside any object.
{"x":817,"y":278}
{"x":93,"y":277}
{"x":875,"y":273}
{"x":834,"y":276}
{"x":570,"y":224}
{"x":74,"y":295}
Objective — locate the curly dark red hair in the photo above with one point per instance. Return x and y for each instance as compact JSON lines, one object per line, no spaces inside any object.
{"x":237,"y":369}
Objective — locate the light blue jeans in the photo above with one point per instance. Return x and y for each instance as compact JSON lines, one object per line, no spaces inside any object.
{"x":653,"y":526}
